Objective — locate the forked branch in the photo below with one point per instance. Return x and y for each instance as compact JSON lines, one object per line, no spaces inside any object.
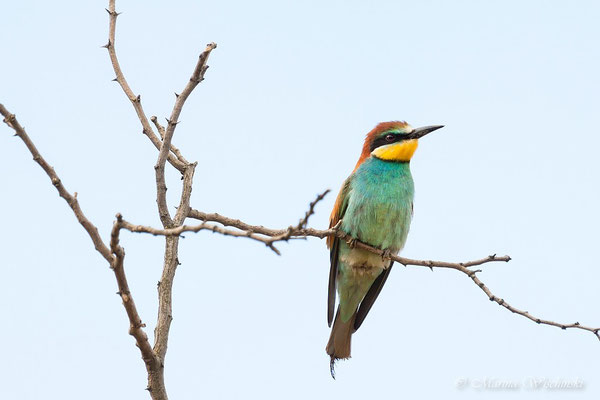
{"x":165,"y":149}
{"x":114,"y":256}
{"x":136,"y":100}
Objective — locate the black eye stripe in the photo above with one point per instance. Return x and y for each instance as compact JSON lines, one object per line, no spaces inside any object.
{"x":383,"y":140}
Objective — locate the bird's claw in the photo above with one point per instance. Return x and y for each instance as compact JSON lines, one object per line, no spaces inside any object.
{"x":351,"y":243}
{"x":386,"y":254}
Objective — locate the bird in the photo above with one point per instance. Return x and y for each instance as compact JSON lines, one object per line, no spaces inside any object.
{"x":375,"y":207}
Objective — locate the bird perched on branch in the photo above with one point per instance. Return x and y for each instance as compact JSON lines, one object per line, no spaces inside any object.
{"x":375,"y":206}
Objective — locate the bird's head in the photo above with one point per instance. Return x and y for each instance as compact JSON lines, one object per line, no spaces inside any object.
{"x":394,"y":141}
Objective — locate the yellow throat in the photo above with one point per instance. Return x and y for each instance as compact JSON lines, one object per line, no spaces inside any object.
{"x":399,"y":151}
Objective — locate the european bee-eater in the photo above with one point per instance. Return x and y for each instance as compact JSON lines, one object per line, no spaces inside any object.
{"x":375,"y":206}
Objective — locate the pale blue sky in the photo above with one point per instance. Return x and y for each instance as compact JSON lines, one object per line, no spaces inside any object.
{"x":291,"y":91}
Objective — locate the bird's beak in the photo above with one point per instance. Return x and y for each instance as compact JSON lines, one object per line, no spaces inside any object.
{"x":420,"y":132}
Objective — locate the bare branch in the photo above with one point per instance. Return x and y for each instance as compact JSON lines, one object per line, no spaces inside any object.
{"x":186,"y":193}
{"x":171,"y":261}
{"x":179,"y":230}
{"x":161,"y":187}
{"x":115,"y":257}
{"x":165,"y":295}
{"x":302,"y":224}
{"x":156,"y":385}
{"x":71,"y":200}
{"x":236,"y":223}
{"x":135,"y":100}
{"x":161,"y":132}
{"x":279,"y":234}
{"x":311,"y":209}
{"x":135,"y":322}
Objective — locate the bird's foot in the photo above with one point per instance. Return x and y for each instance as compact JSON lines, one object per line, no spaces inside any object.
{"x":386,"y":254}
{"x":352,"y":244}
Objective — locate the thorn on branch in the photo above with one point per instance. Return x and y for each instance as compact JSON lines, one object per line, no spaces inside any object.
{"x":112,"y":13}
{"x":272,"y":247}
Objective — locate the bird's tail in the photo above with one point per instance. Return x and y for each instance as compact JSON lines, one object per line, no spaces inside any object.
{"x":338,"y":346}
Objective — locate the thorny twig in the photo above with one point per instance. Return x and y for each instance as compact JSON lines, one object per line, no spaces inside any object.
{"x":71,"y":200}
{"x":161,"y":132}
{"x":115,"y":255}
{"x":165,"y":148}
{"x":136,"y":101}
{"x":135,"y":322}
{"x":167,"y":152}
{"x":299,"y":232}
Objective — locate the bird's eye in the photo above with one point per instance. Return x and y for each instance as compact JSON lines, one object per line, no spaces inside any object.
{"x":389,"y":137}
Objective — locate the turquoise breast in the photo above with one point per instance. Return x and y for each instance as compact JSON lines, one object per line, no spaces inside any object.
{"x":380,"y":203}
